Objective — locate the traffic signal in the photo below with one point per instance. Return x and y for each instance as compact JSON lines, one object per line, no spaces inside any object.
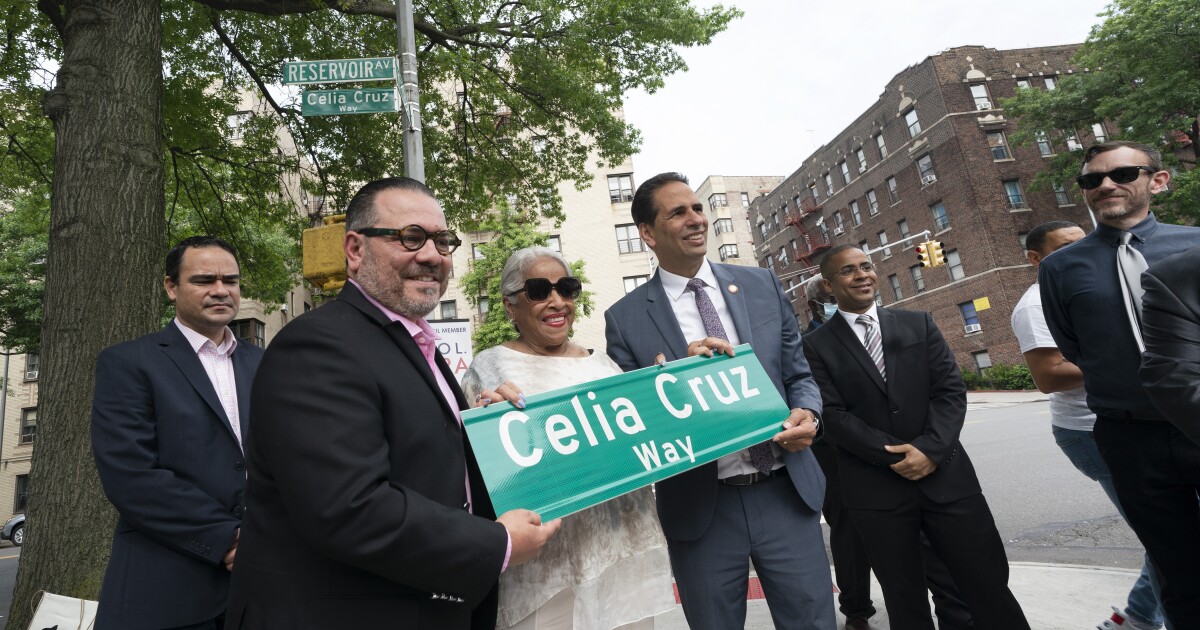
{"x":937,"y":257}
{"x":923,"y":254}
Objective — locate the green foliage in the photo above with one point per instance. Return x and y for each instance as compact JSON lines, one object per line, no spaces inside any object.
{"x":23,"y":230}
{"x":1143,"y":78}
{"x":511,"y":230}
{"x":1000,"y":376}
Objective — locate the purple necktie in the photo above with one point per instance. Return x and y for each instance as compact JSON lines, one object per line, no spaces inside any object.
{"x":760,"y":454}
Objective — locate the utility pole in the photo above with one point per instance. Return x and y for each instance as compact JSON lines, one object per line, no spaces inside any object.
{"x":410,"y":99}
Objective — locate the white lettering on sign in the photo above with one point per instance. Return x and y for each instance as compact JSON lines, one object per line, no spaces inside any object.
{"x":561,"y":431}
{"x":336,"y":71}
{"x":648,"y":453}
{"x":727,"y":397}
{"x":506,"y":421}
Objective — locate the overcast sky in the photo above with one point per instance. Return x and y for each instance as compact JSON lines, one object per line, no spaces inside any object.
{"x":791,"y":74}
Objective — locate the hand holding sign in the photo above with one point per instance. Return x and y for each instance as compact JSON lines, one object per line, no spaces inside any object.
{"x":798,"y":431}
{"x":528,"y":534}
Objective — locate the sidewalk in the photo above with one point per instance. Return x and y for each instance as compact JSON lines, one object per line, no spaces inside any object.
{"x":1054,"y":597}
{"x":1005,"y":397}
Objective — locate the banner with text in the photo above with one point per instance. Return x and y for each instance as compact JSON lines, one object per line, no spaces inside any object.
{"x":576,"y":447}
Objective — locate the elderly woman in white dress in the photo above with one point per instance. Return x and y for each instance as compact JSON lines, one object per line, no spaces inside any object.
{"x":608,"y":566}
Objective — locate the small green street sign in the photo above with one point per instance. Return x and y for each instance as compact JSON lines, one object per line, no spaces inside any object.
{"x":338,"y":102}
{"x":575,"y":447}
{"x":339,"y":70}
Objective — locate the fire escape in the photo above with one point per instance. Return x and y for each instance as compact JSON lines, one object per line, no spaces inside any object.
{"x":813,"y":245}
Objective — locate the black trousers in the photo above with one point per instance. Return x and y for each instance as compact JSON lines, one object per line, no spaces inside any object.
{"x":963,"y":535}
{"x":1156,"y":472}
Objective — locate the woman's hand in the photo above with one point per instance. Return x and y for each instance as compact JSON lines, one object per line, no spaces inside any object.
{"x":505,"y":391}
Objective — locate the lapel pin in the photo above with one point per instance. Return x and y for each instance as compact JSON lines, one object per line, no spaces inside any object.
{"x":733,"y":288}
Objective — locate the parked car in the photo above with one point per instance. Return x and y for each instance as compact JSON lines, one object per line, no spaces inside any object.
{"x":14,"y":530}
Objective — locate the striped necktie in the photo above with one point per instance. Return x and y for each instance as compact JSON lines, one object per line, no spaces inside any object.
{"x":873,"y":343}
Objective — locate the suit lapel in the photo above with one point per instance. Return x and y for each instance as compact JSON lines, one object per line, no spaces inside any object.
{"x":658,"y":307}
{"x":735,"y":302}
{"x":180,"y":352}
{"x":242,"y":379}
{"x":843,"y":333}
{"x":888,"y":335}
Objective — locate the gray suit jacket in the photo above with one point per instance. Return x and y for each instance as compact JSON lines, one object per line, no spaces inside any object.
{"x":1171,"y":328}
{"x":642,"y":324}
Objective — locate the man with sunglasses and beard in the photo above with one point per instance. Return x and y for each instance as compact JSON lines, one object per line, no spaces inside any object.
{"x":761,"y":504}
{"x":364,"y":506}
{"x":1091,"y":296}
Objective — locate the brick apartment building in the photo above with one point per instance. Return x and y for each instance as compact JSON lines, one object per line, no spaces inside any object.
{"x":933,"y":153}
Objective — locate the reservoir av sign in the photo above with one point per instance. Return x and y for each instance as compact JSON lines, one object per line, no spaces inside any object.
{"x":339,"y":71}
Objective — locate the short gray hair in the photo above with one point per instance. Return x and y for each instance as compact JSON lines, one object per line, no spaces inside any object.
{"x":812,"y":286}
{"x":512,"y":279}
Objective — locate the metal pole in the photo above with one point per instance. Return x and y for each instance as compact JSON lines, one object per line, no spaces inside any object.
{"x":3,"y":398}
{"x":410,"y":99}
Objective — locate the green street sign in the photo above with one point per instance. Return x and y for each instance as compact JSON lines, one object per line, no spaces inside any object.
{"x":338,"y":102}
{"x":339,"y":70}
{"x":576,"y":447}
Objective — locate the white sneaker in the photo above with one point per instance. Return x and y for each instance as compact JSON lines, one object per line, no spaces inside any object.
{"x":1121,"y":621}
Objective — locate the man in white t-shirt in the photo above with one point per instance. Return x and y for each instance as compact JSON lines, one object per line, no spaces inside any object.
{"x":1070,"y":418}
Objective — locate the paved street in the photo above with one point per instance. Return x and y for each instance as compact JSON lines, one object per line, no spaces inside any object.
{"x":9,"y":556}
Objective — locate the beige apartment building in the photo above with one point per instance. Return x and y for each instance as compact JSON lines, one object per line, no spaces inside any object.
{"x":18,"y":406}
{"x":727,"y":202}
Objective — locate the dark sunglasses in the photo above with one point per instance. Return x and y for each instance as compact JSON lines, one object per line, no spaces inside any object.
{"x":413,"y":238}
{"x":538,"y":289}
{"x":1122,"y":175}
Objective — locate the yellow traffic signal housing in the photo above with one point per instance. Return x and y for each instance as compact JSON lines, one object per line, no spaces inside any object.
{"x":324,"y":258}
{"x":923,"y":254}
{"x":937,"y":257}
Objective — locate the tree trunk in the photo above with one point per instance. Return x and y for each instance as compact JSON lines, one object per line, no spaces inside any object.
{"x":103,"y":274}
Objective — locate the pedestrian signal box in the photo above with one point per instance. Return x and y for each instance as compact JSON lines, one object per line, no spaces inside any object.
{"x":324,"y":258}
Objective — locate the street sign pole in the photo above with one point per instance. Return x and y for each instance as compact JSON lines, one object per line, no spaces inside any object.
{"x":410,"y":100}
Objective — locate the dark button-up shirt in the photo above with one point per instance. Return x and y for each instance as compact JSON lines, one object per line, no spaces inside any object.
{"x":1084,"y":308}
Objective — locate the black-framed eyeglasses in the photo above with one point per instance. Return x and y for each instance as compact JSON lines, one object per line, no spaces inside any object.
{"x":413,"y":237}
{"x":538,"y":289}
{"x":1122,"y":175}
{"x":849,"y":270}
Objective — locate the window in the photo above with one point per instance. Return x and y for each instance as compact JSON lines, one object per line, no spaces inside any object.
{"x":620,"y":188}
{"x":762,"y":230}
{"x":728,"y":251}
{"x":902,"y":224}
{"x":824,"y":230}
{"x":997,"y":145}
{"x":484,"y":306}
{"x":845,"y":171}
{"x":1061,"y":195}
{"x":1043,"y":144}
{"x":1073,"y":142}
{"x":863,"y":246}
{"x":828,"y":183}
{"x":723,"y":225}
{"x":28,"y":425}
{"x":882,"y":144}
{"x":795,"y":247}
{"x":1051,"y":83}
{"x":1015,"y":194}
{"x":1022,"y":84}
{"x":883,"y":241}
{"x":855,"y":215}
{"x":891,"y":186}
{"x":816,"y":193}
{"x":629,"y":241}
{"x":918,"y":280}
{"x":979,"y":94}
{"x":22,"y":493}
{"x":31,"y":366}
{"x":879,"y":298}
{"x":896,"y":287}
{"x":783,"y":257}
{"x":970,"y":317}
{"x":476,"y":253}
{"x":941,"y":220}
{"x":1099,"y":133}
{"x":776,"y":217}
{"x":555,"y":243}
{"x":954,"y":263}
{"x":249,"y":331}
{"x":914,"y":124}
{"x":717,"y":200}
{"x":448,"y":310}
{"x":925,"y":170}
{"x":837,"y":221}
{"x":983,"y":361}
{"x":862,"y":160}
{"x":1022,"y":237}
{"x":633,"y":282}
{"x":746,"y":200}
{"x":769,"y":261}
{"x":873,"y":201}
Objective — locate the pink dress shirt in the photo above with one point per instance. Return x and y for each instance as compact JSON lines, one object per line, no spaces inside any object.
{"x":218,"y":364}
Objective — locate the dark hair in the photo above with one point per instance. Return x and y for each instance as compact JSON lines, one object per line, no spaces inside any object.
{"x":175,"y":256}
{"x":1036,"y":239}
{"x":360,"y":213}
{"x":827,"y":269}
{"x":643,"y":209}
{"x":1152,"y":154}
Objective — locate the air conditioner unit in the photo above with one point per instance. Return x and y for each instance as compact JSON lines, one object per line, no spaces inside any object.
{"x":983,"y":105}
{"x":31,"y":375}
{"x":928,"y":179}
{"x":862,"y":168}
{"x":838,"y":231}
{"x":972,"y":328}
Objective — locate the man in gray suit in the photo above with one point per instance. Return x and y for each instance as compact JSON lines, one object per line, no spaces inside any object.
{"x":762,"y":503}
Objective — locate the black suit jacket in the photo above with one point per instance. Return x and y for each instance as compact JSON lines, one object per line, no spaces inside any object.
{"x":923,"y":403}
{"x":171,"y":465}
{"x":1171,"y":329}
{"x":355,"y":501}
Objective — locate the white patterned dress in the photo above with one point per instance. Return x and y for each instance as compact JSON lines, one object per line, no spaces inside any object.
{"x":612,"y":556}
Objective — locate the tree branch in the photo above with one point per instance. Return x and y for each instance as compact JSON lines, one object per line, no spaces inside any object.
{"x":53,"y":11}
